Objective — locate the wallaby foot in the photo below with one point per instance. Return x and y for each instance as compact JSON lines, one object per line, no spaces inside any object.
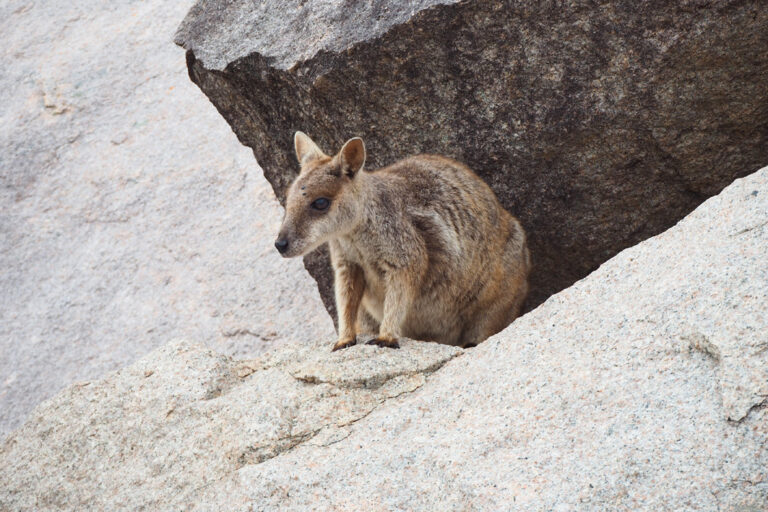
{"x":384,"y":341}
{"x":343,"y":344}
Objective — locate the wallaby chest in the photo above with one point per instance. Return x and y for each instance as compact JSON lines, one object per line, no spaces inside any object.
{"x":360,"y":253}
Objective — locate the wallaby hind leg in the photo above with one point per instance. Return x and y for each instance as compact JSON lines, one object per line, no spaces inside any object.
{"x":497,"y":314}
{"x":501,"y":310}
{"x":490,"y":322}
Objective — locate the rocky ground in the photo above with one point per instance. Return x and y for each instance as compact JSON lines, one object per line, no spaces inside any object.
{"x":129,"y":213}
{"x":642,"y":387}
{"x":136,"y":230}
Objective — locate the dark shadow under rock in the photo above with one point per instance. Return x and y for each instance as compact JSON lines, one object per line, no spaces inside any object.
{"x":598,"y":126}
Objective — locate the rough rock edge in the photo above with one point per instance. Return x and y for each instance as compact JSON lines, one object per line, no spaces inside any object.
{"x":378,"y":15}
{"x":282,"y":445}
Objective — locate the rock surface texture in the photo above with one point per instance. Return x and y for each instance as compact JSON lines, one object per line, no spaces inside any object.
{"x":597,"y":124}
{"x":642,"y":387}
{"x":129,"y":212}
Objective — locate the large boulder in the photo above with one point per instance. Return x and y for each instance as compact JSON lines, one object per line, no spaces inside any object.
{"x":641,"y":387}
{"x":597,"y":124}
{"x":129,"y":212}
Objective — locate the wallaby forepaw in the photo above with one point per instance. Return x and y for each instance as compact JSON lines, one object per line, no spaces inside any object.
{"x":343,"y":344}
{"x":384,"y":342}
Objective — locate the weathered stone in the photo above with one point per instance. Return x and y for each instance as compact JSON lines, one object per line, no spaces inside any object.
{"x":642,"y":387}
{"x":597,"y":124}
{"x":184,"y":417}
{"x":129,"y":212}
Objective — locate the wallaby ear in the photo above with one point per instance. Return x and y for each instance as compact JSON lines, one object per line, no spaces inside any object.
{"x":352,"y":156}
{"x":306,"y":149}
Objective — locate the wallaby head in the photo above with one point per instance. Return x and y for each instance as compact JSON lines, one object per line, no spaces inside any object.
{"x":322,"y":203}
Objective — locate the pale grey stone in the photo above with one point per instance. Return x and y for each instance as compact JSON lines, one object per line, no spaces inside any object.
{"x":184,"y":417}
{"x":129,"y":213}
{"x":362,"y":367}
{"x":641,"y":387}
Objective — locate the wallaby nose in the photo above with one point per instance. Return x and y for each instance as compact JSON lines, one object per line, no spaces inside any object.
{"x":281,"y":244}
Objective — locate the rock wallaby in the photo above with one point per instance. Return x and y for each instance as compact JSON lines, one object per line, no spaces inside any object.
{"x":421,"y":248}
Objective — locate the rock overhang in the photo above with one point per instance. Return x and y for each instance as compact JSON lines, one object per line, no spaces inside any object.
{"x":597,"y":127}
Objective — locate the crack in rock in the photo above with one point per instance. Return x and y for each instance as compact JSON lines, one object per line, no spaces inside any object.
{"x":368,"y":367}
{"x":755,"y":407}
{"x":738,"y":371}
{"x":259,"y":454}
{"x":343,"y":390}
{"x":372,"y":382}
{"x":751,"y":228}
{"x":273,"y":448}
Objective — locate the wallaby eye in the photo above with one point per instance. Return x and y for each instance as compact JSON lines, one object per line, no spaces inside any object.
{"x":320,"y":204}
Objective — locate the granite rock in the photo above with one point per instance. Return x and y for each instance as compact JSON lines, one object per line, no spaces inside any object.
{"x":598,"y":124}
{"x":129,"y":212}
{"x":184,"y":417}
{"x":642,"y":387}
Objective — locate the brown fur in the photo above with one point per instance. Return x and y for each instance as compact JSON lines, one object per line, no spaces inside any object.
{"x":421,"y":248}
